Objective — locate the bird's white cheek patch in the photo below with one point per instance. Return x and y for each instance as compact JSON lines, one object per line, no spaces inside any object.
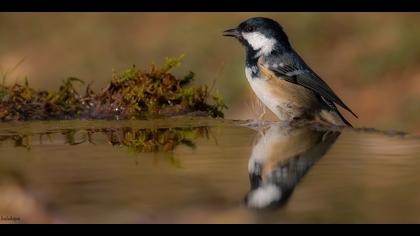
{"x":259,"y":42}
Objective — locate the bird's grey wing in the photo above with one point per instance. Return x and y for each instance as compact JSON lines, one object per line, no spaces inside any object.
{"x":305,"y":77}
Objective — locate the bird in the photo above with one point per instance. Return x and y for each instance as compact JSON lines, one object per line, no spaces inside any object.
{"x":281,"y":79}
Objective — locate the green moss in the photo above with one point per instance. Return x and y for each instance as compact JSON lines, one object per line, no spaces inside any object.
{"x":3,"y":93}
{"x":130,"y":94}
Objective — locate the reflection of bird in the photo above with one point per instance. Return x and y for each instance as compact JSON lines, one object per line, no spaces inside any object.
{"x":280,"y":158}
{"x":281,"y":79}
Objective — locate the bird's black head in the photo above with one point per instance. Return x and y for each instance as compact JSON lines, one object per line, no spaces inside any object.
{"x":260,"y":34}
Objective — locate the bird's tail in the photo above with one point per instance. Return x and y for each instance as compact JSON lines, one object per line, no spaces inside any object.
{"x":334,"y":117}
{"x":344,"y":119}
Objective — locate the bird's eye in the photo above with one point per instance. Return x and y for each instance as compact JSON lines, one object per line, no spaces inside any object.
{"x":249,"y":28}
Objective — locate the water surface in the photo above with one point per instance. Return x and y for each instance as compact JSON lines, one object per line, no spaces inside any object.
{"x":205,"y":171}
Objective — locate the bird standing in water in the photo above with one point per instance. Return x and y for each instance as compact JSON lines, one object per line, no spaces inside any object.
{"x":281,"y":79}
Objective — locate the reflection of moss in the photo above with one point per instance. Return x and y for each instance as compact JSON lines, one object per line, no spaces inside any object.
{"x":153,"y":140}
{"x":136,"y":140}
{"x":131,"y":94}
{"x":24,"y":141}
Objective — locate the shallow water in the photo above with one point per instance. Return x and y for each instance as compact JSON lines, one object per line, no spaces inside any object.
{"x":205,"y":171}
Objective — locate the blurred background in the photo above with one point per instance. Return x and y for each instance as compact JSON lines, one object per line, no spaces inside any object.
{"x":370,"y":59}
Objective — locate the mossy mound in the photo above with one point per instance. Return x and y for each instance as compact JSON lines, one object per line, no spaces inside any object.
{"x":131,"y":94}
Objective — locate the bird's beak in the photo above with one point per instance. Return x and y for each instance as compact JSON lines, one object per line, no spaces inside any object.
{"x":232,"y":33}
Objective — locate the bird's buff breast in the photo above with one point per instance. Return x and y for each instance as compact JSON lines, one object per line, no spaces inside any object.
{"x":286,"y":100}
